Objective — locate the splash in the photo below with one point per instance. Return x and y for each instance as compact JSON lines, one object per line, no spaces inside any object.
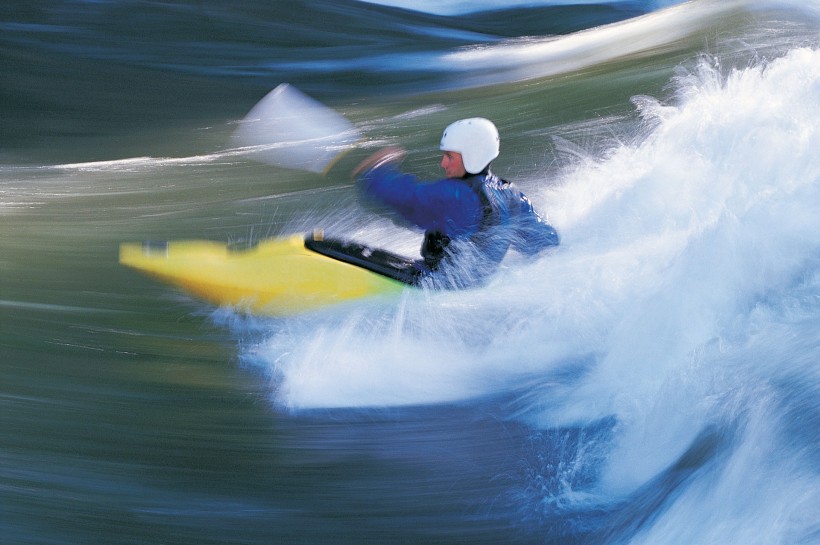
{"x":706,"y":232}
{"x":707,"y":223}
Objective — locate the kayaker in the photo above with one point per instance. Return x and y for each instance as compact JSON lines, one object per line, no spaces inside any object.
{"x":470,"y":218}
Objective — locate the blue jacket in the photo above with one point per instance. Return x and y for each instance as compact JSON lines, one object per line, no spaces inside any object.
{"x":480,"y":215}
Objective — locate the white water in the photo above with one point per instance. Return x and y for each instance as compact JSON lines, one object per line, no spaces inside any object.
{"x":684,"y":295}
{"x":669,"y":244}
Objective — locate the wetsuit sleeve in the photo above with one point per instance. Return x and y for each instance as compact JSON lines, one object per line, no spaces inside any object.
{"x":447,"y":206}
{"x":534,"y":234}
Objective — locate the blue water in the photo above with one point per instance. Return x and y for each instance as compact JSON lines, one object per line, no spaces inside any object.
{"x":654,"y":379}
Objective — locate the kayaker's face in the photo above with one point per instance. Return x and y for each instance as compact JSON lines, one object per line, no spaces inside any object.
{"x":453,"y":164}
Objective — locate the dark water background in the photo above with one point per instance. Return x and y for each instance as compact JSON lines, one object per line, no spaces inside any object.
{"x":653,"y":381}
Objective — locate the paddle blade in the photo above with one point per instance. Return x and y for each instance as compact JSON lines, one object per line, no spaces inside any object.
{"x":289,"y":129}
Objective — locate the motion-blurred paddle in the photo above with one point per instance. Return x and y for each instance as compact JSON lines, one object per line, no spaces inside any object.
{"x":289,"y":129}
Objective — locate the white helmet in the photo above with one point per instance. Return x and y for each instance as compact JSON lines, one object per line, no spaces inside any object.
{"x":476,"y":139}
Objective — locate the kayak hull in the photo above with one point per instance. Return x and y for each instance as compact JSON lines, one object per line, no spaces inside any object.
{"x":277,"y":277}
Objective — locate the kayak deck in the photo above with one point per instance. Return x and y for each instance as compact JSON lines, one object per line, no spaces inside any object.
{"x":378,"y":261}
{"x":278,"y":277}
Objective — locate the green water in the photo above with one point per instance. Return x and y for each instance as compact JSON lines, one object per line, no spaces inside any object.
{"x":127,"y":411}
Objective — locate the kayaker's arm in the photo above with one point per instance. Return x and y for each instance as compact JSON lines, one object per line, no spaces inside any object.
{"x":446,"y":206}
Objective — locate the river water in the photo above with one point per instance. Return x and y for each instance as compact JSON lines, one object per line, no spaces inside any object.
{"x":654,"y":379}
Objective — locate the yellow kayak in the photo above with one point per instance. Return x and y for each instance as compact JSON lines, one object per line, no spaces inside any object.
{"x":277,"y":277}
